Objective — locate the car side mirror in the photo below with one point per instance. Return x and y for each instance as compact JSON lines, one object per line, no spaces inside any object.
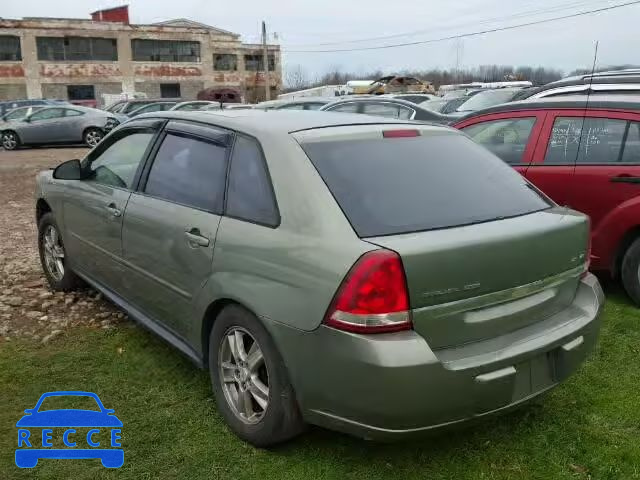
{"x":69,"y":170}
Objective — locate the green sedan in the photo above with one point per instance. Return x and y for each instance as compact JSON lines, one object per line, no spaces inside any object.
{"x":373,"y":276}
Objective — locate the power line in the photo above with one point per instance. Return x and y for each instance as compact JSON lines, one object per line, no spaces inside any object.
{"x":471,"y":34}
{"x":479,"y":22}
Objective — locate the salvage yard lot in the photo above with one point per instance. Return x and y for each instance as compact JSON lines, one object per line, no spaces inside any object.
{"x":587,"y":428}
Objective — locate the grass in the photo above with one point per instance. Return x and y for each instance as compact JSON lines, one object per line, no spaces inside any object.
{"x":588,"y":428}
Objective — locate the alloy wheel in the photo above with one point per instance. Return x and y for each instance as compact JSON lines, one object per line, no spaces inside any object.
{"x":53,"y":252}
{"x":93,"y":138}
{"x":243,"y":375}
{"x":9,"y":141}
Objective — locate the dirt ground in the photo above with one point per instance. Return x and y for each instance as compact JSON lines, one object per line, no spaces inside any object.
{"x":27,"y":307}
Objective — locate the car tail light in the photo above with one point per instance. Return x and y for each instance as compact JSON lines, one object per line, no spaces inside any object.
{"x":373,"y":297}
{"x":400,"y":133}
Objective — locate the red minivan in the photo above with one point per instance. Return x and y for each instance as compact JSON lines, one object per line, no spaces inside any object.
{"x":584,"y":153}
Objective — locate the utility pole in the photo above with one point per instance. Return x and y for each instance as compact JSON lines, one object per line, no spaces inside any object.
{"x":265,"y":62}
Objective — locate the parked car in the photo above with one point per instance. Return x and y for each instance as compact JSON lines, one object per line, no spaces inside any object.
{"x":302,"y":103}
{"x":486,"y":99}
{"x":587,"y":159}
{"x":344,"y":303}
{"x":417,"y":98}
{"x":193,"y":105}
{"x":233,"y":106}
{"x":152,"y":107}
{"x":12,"y":104}
{"x":620,"y":82}
{"x":18,"y":114}
{"x":444,"y":106}
{"x":385,"y":107}
{"x":125,"y":107}
{"x":57,"y":125}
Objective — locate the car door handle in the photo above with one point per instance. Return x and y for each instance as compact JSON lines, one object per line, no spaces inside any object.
{"x":196,"y":239}
{"x":625,"y":179}
{"x":113,"y":210}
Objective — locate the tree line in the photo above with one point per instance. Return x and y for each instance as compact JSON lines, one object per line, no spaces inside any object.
{"x":297,"y":78}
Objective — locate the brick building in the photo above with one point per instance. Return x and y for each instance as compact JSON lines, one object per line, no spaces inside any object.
{"x":82,"y":59}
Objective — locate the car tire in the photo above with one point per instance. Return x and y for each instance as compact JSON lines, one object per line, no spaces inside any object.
{"x":10,"y":140}
{"x":53,"y":256}
{"x":630,"y":271}
{"x":92,"y":136}
{"x":280,"y":420}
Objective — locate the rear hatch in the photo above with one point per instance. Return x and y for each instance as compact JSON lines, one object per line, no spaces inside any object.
{"x":484,"y":254}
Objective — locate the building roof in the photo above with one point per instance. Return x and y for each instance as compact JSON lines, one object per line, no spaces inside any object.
{"x":186,"y":23}
{"x":110,"y":9}
{"x":609,"y":102}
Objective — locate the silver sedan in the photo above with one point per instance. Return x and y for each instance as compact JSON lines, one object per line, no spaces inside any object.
{"x":58,"y":125}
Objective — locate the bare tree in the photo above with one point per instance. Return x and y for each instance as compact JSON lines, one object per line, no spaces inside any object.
{"x":296,"y":78}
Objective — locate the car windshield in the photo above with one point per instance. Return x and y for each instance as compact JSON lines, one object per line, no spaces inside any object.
{"x":487,"y":99}
{"x":433,"y":105}
{"x":437,"y":180}
{"x":62,"y":402}
{"x":115,"y":107}
{"x":191,"y":106}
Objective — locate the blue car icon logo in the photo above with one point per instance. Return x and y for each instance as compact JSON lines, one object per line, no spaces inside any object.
{"x":104,"y":431}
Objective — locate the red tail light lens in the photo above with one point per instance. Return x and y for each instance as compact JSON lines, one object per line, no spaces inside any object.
{"x":400,"y":133}
{"x":373,"y":297}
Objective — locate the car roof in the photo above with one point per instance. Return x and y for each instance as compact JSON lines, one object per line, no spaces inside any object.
{"x":280,"y":121}
{"x":597,"y":78}
{"x":617,"y":102}
{"x":286,"y":101}
{"x":378,"y":98}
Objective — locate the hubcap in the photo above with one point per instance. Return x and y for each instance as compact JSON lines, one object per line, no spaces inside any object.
{"x":93,"y":138}
{"x":244,"y":376}
{"x":9,"y":141}
{"x":53,"y":253}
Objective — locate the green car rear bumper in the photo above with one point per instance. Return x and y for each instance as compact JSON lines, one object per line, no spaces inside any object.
{"x":392,"y":385}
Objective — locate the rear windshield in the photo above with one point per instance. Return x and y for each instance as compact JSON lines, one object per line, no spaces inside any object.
{"x":488,"y":99}
{"x":399,"y":185}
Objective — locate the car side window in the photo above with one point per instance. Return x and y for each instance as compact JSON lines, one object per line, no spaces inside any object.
{"x":313,"y":106}
{"x":345,"y":108}
{"x":250,"y":194}
{"x":189,"y":171}
{"x":116,"y":166}
{"x":295,"y":106}
{"x":631,"y":152}
{"x":506,"y":138}
{"x":582,"y":140}
{"x":17,"y":113}
{"x":73,"y":113}
{"x":47,"y":114}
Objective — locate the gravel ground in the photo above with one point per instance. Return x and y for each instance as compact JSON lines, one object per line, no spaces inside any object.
{"x":27,"y":307}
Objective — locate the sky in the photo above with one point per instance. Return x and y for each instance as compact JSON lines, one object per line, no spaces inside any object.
{"x":299,"y":25}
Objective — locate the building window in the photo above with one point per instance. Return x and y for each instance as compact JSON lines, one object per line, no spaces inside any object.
{"x":225,"y":62}
{"x":170,"y":90}
{"x":81,"y":92}
{"x":165,"y":51}
{"x":253,"y":63}
{"x":77,"y":48}
{"x":10,"y":49}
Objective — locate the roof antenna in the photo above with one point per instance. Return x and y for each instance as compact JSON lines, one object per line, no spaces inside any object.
{"x":586,"y":105}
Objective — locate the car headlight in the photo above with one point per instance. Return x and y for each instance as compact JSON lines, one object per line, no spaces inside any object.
{"x":111,"y":123}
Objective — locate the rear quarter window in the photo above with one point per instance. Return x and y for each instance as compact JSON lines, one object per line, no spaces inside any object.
{"x":438,"y":180}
